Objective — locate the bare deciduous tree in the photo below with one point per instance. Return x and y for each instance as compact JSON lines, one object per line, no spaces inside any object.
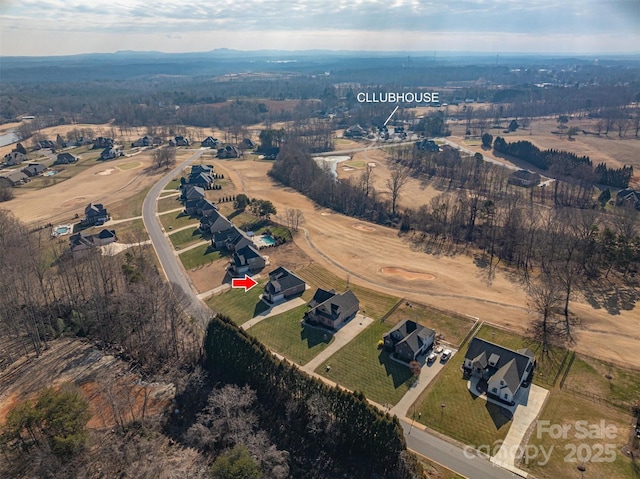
{"x":395,"y":183}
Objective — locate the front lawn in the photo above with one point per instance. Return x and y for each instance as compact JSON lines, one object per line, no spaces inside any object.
{"x":177,"y":220}
{"x":238,"y":305}
{"x":168,"y":204}
{"x":199,"y":256}
{"x":602,"y":455}
{"x":186,"y":237}
{"x":361,"y":366}
{"x":464,"y":417}
{"x":285,"y":335}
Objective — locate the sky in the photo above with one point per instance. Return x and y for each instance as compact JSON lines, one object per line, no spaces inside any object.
{"x":63,"y":27}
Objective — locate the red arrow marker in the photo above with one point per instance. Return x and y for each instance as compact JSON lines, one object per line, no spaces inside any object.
{"x":247,"y":283}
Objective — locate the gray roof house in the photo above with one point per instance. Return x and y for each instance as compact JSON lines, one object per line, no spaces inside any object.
{"x":83,"y":241}
{"x":221,"y":238}
{"x":14,"y":158}
{"x":409,"y":340}
{"x":110,"y":153}
{"x":196,"y":169}
{"x":34,"y":169}
{"x":628,"y":196}
{"x":246,"y":260}
{"x":201,"y":179}
{"x":65,"y":159}
{"x":332,"y":309}
{"x":228,"y":152}
{"x":95,"y":214}
{"x":14,"y":178}
{"x":504,"y":369}
{"x":282,"y":285}
{"x":209,"y":142}
{"x":190,"y":192}
{"x":214,"y":223}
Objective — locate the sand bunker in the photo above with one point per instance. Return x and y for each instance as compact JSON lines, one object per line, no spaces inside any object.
{"x":108,"y":171}
{"x":365,"y":228}
{"x":372,"y":165}
{"x":405,"y":274}
{"x":325,"y":214}
{"x":347,"y":168}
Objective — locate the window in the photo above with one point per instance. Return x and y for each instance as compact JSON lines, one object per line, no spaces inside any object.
{"x":494,"y":390}
{"x":506,"y":396}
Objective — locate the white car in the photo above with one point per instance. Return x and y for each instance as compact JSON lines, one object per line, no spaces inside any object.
{"x":431,"y":358}
{"x":439,"y":350}
{"x":446,"y":354}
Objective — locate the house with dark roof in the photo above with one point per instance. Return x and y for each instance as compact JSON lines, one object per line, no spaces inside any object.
{"x":237,"y":242}
{"x":246,"y":260}
{"x":427,"y":145}
{"x":34,"y":169}
{"x":14,"y":178}
{"x":206,"y":208}
{"x":210,"y":142}
{"x":181,"y":141}
{"x":524,"y":178}
{"x":144,"y":141}
{"x":247,"y":144}
{"x":14,"y":158}
{"x":190,"y":192}
{"x":110,"y":153}
{"x":408,"y":340}
{"x":65,"y":159}
{"x":44,"y":144}
{"x":332,"y":309}
{"x":282,"y":285}
{"x":197,"y":169}
{"x":628,"y":196}
{"x":201,"y":179}
{"x":503,"y":369}
{"x":214,"y":223}
{"x":83,"y":241}
{"x":228,"y":152}
{"x":102,"y":142}
{"x":220,"y":239}
{"x":95,"y":214}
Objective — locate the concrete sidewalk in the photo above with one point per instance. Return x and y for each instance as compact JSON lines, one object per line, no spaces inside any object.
{"x":348,"y":332}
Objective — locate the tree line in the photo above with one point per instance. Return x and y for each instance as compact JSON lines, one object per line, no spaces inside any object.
{"x":329,"y":432}
{"x":565,"y":163}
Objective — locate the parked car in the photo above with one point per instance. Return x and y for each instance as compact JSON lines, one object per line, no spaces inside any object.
{"x":446,"y":354}
{"x":439,"y":350}
{"x":431,"y":358}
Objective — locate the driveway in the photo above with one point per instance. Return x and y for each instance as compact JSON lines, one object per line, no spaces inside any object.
{"x":427,"y":373}
{"x":348,"y":332}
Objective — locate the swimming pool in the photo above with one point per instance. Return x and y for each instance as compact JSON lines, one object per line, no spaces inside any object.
{"x":50,"y":173}
{"x":268,"y":240}
{"x":62,"y":230}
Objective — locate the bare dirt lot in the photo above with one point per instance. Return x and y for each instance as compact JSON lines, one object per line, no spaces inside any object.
{"x":99,"y":375}
{"x":337,"y":245}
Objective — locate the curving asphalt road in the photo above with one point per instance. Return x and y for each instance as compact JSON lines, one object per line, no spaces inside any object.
{"x":173,"y":269}
{"x":421,"y":442}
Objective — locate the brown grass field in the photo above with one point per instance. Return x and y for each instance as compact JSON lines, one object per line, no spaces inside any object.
{"x":458,"y":285}
{"x":360,"y":252}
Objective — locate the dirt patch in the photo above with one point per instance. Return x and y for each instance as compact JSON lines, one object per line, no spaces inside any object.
{"x":99,"y":375}
{"x":405,"y":274}
{"x":364,"y":228}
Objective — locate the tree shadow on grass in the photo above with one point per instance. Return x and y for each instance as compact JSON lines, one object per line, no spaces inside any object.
{"x":614,"y":298}
{"x":400,"y":373}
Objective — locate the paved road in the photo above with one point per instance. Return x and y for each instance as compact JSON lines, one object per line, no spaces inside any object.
{"x":171,"y":265}
{"x":418,"y":440}
{"x":447,"y":454}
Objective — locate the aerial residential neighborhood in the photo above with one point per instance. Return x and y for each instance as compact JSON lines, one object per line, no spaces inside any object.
{"x":395,"y":241}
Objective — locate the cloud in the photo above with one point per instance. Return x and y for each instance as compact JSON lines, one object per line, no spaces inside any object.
{"x":475,"y":20}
